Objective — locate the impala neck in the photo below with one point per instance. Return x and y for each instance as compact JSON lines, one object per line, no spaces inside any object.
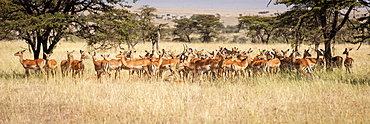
{"x":123,"y":60}
{"x":21,"y":58}
{"x":304,"y":56}
{"x":69,"y":61}
{"x":294,"y":56}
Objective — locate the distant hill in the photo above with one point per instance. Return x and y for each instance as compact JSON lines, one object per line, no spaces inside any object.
{"x":228,"y":17}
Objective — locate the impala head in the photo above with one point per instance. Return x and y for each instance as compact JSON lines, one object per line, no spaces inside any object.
{"x":70,"y":54}
{"x":346,"y":51}
{"x":19,"y":53}
{"x":307,"y":53}
{"x":285,"y":52}
{"x":130,"y":54}
{"x":84,"y":55}
{"x":121,"y":54}
{"x":250,"y":50}
{"x":48,"y":56}
{"x":277,"y":52}
{"x":105,"y":57}
{"x":93,"y":55}
{"x":295,"y":53}
{"x":269,"y":55}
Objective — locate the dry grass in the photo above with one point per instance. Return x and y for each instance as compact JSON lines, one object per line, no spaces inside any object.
{"x":322,"y":97}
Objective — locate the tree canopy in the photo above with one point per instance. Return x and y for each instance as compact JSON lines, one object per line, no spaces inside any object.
{"x":206,"y":26}
{"x":43,"y":23}
{"x":260,"y":28}
{"x":184,"y":28}
{"x":328,"y":14}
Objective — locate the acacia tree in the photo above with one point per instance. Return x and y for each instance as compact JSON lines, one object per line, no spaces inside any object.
{"x":110,"y":29}
{"x":184,"y":28}
{"x":206,"y":25}
{"x":364,"y":27}
{"x":43,"y":23}
{"x":260,"y":27}
{"x":297,"y":30}
{"x":328,"y":13}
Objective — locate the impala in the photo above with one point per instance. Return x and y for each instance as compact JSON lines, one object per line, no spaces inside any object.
{"x":114,"y":65}
{"x":286,"y":61}
{"x":301,"y":65}
{"x":51,"y":65}
{"x":169,"y":64}
{"x":100,"y":66}
{"x":226,"y":66}
{"x":311,"y":61}
{"x":348,"y":62}
{"x":336,"y":62}
{"x":240,"y":66}
{"x":132,"y":65}
{"x":78,"y":66}
{"x":153,"y":66}
{"x":65,"y":65}
{"x":237,"y":65}
{"x":320,"y":62}
{"x":260,"y":65}
{"x":37,"y":64}
{"x":274,"y":62}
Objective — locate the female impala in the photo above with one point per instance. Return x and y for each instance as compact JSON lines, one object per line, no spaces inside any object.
{"x":51,"y":65}
{"x":311,"y":61}
{"x":274,"y":62}
{"x":320,"y":62}
{"x":348,"y":62}
{"x":301,"y":65}
{"x":154,"y":65}
{"x":65,"y":65}
{"x":37,"y":64}
{"x":132,"y":65}
{"x":100,"y":66}
{"x":78,"y":66}
{"x":113,"y":65}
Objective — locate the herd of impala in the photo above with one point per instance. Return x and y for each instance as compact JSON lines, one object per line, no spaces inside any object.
{"x":189,"y":64}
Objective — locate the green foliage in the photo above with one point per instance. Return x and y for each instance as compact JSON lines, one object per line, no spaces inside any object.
{"x":331,"y":17}
{"x":206,"y":26}
{"x":42,"y":24}
{"x":109,"y":30}
{"x":260,"y":28}
{"x":184,"y":28}
{"x":298,"y":26}
{"x":364,"y":27}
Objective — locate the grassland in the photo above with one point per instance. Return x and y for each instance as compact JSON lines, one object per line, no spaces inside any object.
{"x":335,"y":97}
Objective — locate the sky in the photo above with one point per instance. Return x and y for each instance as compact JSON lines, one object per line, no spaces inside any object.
{"x":210,"y":4}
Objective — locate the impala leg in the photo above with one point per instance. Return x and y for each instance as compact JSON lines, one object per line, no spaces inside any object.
{"x":27,"y":72}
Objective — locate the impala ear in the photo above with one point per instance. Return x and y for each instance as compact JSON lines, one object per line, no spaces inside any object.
{"x":23,"y":51}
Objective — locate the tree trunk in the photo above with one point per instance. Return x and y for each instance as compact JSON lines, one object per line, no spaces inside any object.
{"x":158,"y":38}
{"x":188,"y":37}
{"x":327,"y":54}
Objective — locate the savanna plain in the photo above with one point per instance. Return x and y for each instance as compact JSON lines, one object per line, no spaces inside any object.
{"x":320,"y":97}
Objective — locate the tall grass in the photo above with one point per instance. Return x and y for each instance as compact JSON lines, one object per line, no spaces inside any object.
{"x":322,"y":97}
